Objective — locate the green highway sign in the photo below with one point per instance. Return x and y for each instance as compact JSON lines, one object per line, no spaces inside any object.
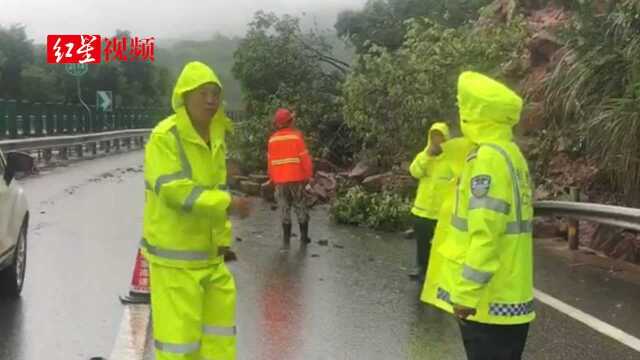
{"x":104,"y":101}
{"x":76,"y":69}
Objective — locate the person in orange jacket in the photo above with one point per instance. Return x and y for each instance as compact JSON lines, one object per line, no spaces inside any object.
{"x":290,"y":169}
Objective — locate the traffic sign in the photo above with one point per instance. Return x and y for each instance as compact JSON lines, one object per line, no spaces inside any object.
{"x":76,"y":69}
{"x":104,"y":100}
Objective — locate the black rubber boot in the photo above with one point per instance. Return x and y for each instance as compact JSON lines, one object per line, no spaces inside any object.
{"x":286,"y":236}
{"x":304,"y":233}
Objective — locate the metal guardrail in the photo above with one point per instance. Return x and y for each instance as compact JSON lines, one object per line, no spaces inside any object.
{"x":19,"y":119}
{"x":42,"y":143}
{"x":627,"y":218}
{"x":93,"y":142}
{"x":623,"y":217}
{"x":79,"y":142}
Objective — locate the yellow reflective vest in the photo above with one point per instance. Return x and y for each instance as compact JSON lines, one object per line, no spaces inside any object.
{"x":185,"y":213}
{"x":488,"y":251}
{"x":433,"y":173}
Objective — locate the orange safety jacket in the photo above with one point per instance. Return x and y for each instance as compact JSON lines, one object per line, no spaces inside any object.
{"x":288,"y":158}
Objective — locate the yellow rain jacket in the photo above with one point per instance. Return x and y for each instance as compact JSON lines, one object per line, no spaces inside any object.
{"x":433,"y":173}
{"x":185,"y":214}
{"x":455,"y":152}
{"x":487,"y":253}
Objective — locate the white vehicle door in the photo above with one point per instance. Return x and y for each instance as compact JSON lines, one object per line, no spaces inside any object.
{"x":6,"y":205}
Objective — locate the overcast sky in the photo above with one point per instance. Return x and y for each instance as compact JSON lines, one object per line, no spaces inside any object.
{"x":160,"y":18}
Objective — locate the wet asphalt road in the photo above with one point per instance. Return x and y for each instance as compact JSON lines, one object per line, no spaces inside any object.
{"x":350,"y":299}
{"x":85,"y":222}
{"x":354,"y":301}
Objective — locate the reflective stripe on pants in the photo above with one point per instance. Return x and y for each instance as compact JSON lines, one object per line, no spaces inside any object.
{"x":193,"y":312}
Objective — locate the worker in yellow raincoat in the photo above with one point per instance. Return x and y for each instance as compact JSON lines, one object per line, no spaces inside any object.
{"x":456,"y":150}
{"x":485,"y":270}
{"x":430,"y":167}
{"x":186,"y":228}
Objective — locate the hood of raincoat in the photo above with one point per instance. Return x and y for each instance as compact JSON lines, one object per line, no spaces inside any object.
{"x":443,"y":128}
{"x":488,"y":109}
{"x":193,"y":75}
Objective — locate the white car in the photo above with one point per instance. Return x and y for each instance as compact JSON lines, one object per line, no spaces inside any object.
{"x":14,"y":223}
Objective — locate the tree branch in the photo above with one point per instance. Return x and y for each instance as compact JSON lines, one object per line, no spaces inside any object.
{"x":337,"y":63}
{"x":331,"y":62}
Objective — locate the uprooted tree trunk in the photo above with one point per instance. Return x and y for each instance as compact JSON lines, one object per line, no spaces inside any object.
{"x":401,"y":184}
{"x":363,"y":169}
{"x":320,"y":190}
{"x":250,"y":187}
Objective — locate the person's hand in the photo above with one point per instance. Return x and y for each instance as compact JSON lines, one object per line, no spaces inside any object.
{"x":227,"y":253}
{"x":463,"y":312}
{"x":434,"y":150}
{"x":240,"y":206}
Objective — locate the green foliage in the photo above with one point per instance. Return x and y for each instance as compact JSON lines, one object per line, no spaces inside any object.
{"x":248,"y":143}
{"x":277,"y":60}
{"x":594,"y":92}
{"x":388,"y":211}
{"x":217,"y":52}
{"x":391,"y":98}
{"x":351,"y":207}
{"x":383,"y":211}
{"x":16,"y":52}
{"x":40,"y":85}
{"x":25,"y":75}
{"x":279,"y":65}
{"x":383,"y":23}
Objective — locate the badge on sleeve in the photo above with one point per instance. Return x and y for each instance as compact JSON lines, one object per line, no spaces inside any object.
{"x":480,"y":185}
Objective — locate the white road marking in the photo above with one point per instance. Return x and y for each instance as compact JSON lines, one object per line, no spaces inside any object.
{"x":596,"y":324}
{"x":132,"y":335}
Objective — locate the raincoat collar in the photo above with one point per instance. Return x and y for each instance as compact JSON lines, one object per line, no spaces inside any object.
{"x":456,"y":151}
{"x":219,"y":124}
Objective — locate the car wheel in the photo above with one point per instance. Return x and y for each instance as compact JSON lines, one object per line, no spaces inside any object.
{"x":12,"y":278}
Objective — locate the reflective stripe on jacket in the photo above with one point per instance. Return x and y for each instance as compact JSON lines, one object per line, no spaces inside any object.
{"x":489,"y":247}
{"x":288,"y":158}
{"x":185,"y":218}
{"x":488,"y":251}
